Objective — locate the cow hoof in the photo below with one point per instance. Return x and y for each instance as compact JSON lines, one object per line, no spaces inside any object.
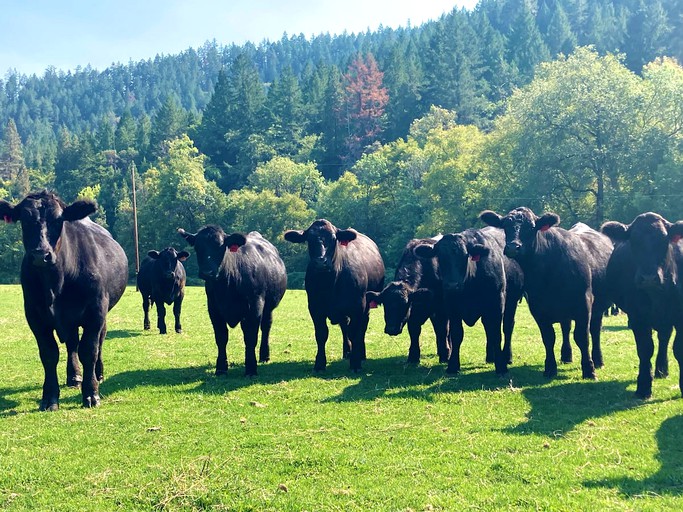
{"x":146,"y":327}
{"x":91,"y":401}
{"x":74,"y":382}
{"x":550,"y":374}
{"x":452,"y":371}
{"x":566,"y":360}
{"x":162,"y":331}
{"x":643,"y":395}
{"x":661,"y":374}
{"x":251,"y":374}
{"x":49,"y":405}
{"x":220,"y":372}
{"x":179,"y":330}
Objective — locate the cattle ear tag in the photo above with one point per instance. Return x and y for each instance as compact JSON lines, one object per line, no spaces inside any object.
{"x":344,"y":243}
{"x":545,"y":228}
{"x":476,"y":257}
{"x":674,"y":239}
{"x":234,"y":247}
{"x":373,"y":304}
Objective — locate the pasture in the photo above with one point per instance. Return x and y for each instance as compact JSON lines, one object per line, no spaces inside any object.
{"x":171,"y":436}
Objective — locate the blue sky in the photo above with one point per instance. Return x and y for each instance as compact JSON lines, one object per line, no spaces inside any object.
{"x":35,"y":34}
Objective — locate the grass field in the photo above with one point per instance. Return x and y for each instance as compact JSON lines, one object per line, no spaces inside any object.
{"x":171,"y":436}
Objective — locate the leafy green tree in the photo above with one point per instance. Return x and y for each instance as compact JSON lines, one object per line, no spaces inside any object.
{"x":284,"y":176}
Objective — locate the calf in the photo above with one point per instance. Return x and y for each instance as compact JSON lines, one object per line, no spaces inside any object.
{"x":478,"y":282}
{"x":344,"y":264}
{"x":643,"y":275}
{"x":73,"y":272}
{"x":413,"y":297}
{"x":564,"y":278}
{"x":244,"y":279}
{"x":161,"y":279}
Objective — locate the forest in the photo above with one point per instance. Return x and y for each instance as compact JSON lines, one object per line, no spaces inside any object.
{"x":573,"y":106}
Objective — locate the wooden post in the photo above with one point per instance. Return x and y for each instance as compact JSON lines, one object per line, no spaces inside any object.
{"x":135,"y":221}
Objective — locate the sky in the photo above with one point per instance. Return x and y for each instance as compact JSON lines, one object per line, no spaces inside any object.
{"x":37,"y":34}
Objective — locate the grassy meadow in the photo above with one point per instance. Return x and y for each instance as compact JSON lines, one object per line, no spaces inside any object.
{"x":171,"y":436}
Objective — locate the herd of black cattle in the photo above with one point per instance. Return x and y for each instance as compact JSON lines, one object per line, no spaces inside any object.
{"x":73,"y":272}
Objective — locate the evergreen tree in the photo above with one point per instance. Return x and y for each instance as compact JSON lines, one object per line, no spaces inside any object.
{"x":210,"y":134}
{"x":646,"y":35}
{"x":560,"y":38}
{"x":12,"y":166}
{"x":126,"y":131}
{"x":331,"y":126}
{"x":285,"y":112}
{"x":167,"y":124}
{"x":525,"y":44}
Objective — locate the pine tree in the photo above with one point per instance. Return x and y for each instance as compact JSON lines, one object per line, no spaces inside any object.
{"x":646,"y":35}
{"x":210,"y":134}
{"x":167,"y":123}
{"x":560,"y":38}
{"x":12,"y":165}
{"x":525,"y":44}
{"x":125,"y":133}
{"x":285,"y":111}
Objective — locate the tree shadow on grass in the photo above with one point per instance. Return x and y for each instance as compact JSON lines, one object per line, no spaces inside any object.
{"x":668,"y":480}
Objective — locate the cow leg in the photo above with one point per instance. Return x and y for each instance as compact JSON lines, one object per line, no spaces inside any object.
{"x":177,"y":306}
{"x":581,"y":328}
{"x":358,"y":325}
{"x":73,"y":367}
{"x":321,"y":334}
{"x":662,"y":361}
{"x":457,"y":333}
{"x":494,"y":338}
{"x":220,"y":333}
{"x":49,"y":356}
{"x":250,"y":331}
{"x":508,"y":328}
{"x":414,"y":330}
{"x":678,"y":354}
{"x":566,"y":350}
{"x":89,"y":354}
{"x":645,"y":348}
{"x":266,"y":324}
{"x":596,"y":348}
{"x":548,"y":337}
{"x":99,"y":365}
{"x":145,"y":309}
{"x":443,"y":347}
{"x":161,"y":317}
{"x":346,"y":341}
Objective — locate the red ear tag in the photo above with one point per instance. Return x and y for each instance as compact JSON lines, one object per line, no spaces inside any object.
{"x":234,"y":247}
{"x":674,"y":239}
{"x":344,"y":243}
{"x":373,"y":304}
{"x":476,"y":257}
{"x":8,"y":219}
{"x":545,"y":228}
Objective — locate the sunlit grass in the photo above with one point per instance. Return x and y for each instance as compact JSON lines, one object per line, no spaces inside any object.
{"x":171,"y":436}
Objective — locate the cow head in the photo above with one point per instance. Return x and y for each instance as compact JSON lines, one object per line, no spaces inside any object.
{"x":322,"y":238}
{"x":398,"y":300}
{"x":650,"y":237}
{"x":42,"y":216}
{"x":521,"y":226}
{"x":211,"y":244}
{"x":167,"y":260}
{"x":457,"y":257}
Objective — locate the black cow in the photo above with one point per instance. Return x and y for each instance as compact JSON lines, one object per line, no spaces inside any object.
{"x":478,"y":282}
{"x":564,"y":278}
{"x":413,"y":297}
{"x":644,"y":276}
{"x":344,"y":264}
{"x":161,"y":279}
{"x":72,"y":274}
{"x":245,"y":279}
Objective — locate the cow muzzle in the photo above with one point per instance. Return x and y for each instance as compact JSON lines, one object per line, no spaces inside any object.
{"x":512,"y":249}
{"x":42,"y":258}
{"x":650,"y":280}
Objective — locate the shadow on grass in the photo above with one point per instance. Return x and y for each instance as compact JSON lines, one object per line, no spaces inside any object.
{"x":615,"y":328}
{"x":7,"y":405}
{"x":669,"y":479}
{"x":119,"y":333}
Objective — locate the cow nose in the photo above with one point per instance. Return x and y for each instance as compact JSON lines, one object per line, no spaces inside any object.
{"x":451,"y":287}
{"x":41,"y":257}
{"x":392,"y":330}
{"x":512,"y":249}
{"x":649,"y":280}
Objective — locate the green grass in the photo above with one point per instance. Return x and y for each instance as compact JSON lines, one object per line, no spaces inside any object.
{"x":171,"y":436}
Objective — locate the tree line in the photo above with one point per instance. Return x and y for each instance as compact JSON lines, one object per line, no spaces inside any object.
{"x":398,"y":133}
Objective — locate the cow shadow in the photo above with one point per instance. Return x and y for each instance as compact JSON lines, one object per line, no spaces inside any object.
{"x":7,"y":405}
{"x":668,"y":480}
{"x":122,"y":333}
{"x":558,"y":407}
{"x":204,"y":378}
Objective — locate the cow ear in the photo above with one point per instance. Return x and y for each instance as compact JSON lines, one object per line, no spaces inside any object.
{"x":344,"y":236}
{"x":79,"y":210}
{"x":296,"y":236}
{"x":373,"y":299}
{"x":547,"y":221}
{"x":183,"y":255}
{"x":422,"y":296}
{"x":153,"y":254}
{"x":676,"y":231}
{"x":491,"y":218}
{"x":187,"y":236}
{"x":424,"y":251}
{"x":615,"y":230}
{"x":234,"y":241}
{"x":8,"y":212}
{"x":477,"y":251}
